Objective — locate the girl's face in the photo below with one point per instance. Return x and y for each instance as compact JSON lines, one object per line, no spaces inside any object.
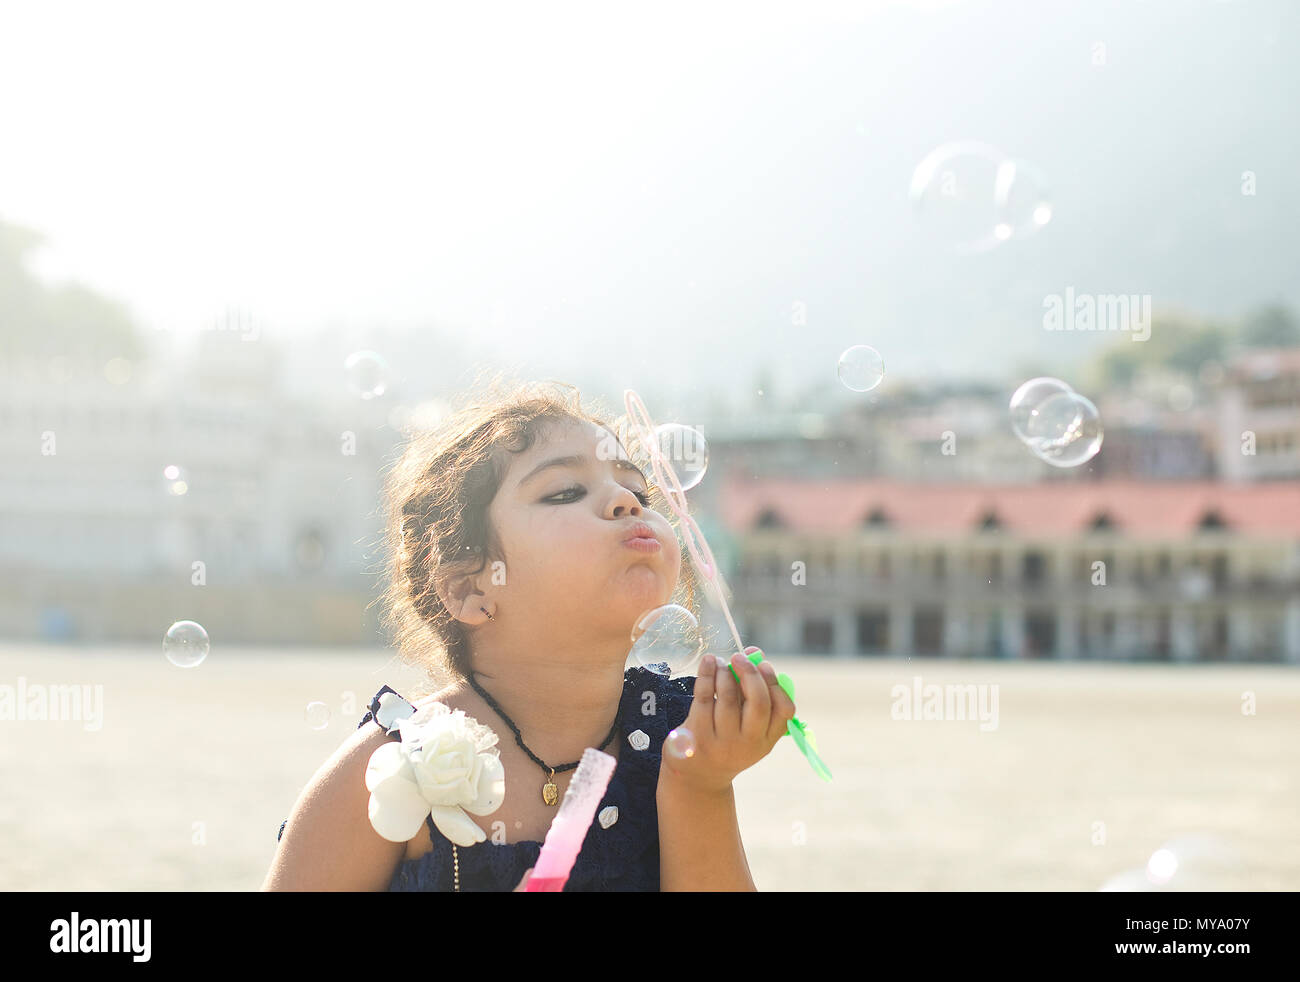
{"x":562,"y":527}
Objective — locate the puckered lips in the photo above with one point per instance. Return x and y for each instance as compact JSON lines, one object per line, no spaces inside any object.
{"x":641,"y":537}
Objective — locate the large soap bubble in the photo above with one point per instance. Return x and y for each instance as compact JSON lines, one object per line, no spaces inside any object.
{"x":667,"y":640}
{"x":1026,"y":400}
{"x":1024,"y":205}
{"x":1065,"y":430}
{"x":686,"y":451}
{"x":953,"y":193}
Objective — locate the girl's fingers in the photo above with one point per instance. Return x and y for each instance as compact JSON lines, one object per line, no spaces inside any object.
{"x":782,"y":708}
{"x":757,"y":709}
{"x":700,"y":718}
{"x":726,"y":715}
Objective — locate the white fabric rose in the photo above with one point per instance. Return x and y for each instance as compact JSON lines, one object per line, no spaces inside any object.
{"x":445,"y":765}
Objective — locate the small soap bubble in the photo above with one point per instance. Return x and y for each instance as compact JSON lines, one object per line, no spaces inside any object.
{"x":954,"y":196}
{"x":667,"y":641}
{"x":1026,"y":400}
{"x":1196,"y":862}
{"x":317,"y":715}
{"x":680,"y":744}
{"x":861,"y":368}
{"x":1024,"y":206}
{"x":686,"y":451}
{"x":1162,"y":866}
{"x":367,"y":374}
{"x":1065,"y":430}
{"x":176,"y":480}
{"x":185,"y":644}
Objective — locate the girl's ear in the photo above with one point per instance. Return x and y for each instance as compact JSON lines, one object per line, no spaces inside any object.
{"x":460,"y":597}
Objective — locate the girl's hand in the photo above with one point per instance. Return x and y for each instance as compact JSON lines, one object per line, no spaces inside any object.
{"x":523,"y":881}
{"x":735,"y":726}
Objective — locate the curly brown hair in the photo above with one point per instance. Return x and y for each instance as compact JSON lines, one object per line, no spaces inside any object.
{"x":435,"y":503}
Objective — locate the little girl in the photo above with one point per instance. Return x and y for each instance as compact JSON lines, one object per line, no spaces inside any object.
{"x":510,"y":574}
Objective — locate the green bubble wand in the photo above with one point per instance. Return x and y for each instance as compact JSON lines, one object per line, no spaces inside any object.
{"x":666,"y":479}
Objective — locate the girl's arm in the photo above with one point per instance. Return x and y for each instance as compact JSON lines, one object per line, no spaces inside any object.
{"x":329,"y":843}
{"x":699,"y":839}
{"x":735,"y":725}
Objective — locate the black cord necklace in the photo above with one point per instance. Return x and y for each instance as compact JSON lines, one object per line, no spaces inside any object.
{"x":550,"y":793}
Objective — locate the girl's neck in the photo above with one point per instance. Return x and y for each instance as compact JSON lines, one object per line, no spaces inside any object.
{"x":559,"y":707}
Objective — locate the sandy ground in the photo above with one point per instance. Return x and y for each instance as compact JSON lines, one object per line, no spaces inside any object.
{"x":1091,"y":769}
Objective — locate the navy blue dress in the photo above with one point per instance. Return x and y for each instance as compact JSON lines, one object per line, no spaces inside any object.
{"x":623,"y":857}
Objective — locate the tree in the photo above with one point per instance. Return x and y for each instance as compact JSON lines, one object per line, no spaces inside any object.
{"x":1273,"y":326}
{"x":1178,"y":342}
{"x":64,"y":319}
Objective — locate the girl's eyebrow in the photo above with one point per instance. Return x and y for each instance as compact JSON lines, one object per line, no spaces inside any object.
{"x":578,"y":459}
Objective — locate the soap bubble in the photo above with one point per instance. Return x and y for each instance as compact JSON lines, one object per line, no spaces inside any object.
{"x":861,"y":368}
{"x":686,"y":450}
{"x":1065,"y":430}
{"x":367,"y":374}
{"x":680,"y":743}
{"x":1199,"y":862}
{"x":667,"y":641}
{"x":176,"y":480}
{"x":1026,"y":400}
{"x":1162,"y":866}
{"x":1024,"y":205}
{"x":317,"y":715}
{"x":185,"y":644}
{"x":954,"y":195}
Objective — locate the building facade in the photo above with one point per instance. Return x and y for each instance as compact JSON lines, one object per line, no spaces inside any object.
{"x":1184,"y":571}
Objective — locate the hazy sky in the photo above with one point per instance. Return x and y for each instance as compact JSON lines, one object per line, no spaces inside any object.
{"x":618,"y":189}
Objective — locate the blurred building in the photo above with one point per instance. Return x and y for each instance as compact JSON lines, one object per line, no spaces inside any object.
{"x":1259,"y":416}
{"x":921,"y":522}
{"x":263,"y":531}
{"x":1190,"y":571}
{"x":960,"y":434}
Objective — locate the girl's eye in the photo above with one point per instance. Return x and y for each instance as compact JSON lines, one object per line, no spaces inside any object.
{"x":641,"y":496}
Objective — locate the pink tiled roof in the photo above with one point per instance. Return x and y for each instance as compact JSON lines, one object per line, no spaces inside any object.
{"x":1133,"y":507}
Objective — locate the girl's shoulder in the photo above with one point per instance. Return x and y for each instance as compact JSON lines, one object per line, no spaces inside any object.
{"x":387,"y":706}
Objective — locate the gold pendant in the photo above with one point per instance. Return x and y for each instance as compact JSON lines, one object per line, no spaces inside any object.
{"x":550,"y":793}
